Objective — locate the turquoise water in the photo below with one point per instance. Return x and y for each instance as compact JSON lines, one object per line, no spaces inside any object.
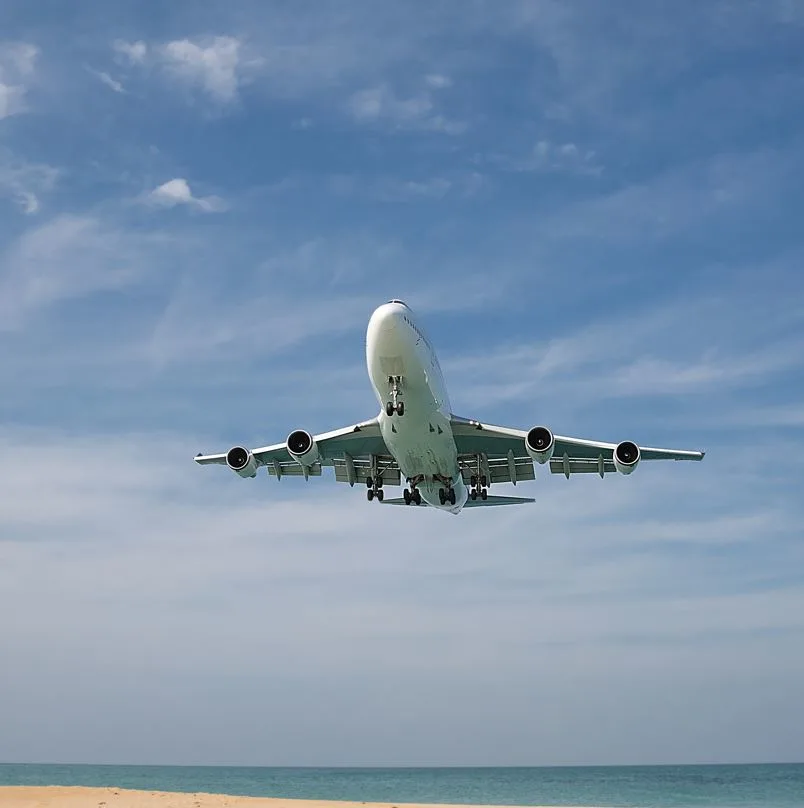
{"x":758,"y":786}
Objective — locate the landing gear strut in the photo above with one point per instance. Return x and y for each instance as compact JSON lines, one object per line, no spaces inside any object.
{"x":478,"y":483}
{"x":447,"y":494}
{"x":413,"y":496}
{"x":374,"y":486}
{"x":394,"y":405}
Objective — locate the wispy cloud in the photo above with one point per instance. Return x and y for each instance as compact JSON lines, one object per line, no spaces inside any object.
{"x":550,"y":157}
{"x":381,"y":105}
{"x":66,"y":258}
{"x":25,"y":182}
{"x":17,"y":61}
{"x":111,"y":83}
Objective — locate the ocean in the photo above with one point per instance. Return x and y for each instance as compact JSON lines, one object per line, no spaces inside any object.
{"x":710,"y":786}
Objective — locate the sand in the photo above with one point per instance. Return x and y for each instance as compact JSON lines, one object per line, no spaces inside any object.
{"x":80,"y":797}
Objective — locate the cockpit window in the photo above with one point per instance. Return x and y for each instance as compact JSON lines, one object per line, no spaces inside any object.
{"x":401,"y":303}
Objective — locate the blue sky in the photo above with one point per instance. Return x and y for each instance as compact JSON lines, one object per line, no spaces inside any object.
{"x":595,"y":209}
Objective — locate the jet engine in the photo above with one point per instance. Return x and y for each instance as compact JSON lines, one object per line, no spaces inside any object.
{"x":241,"y":461}
{"x":540,"y":444}
{"x":626,"y":457}
{"x":302,"y":447}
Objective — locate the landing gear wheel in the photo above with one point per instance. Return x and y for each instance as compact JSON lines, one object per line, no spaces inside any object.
{"x":442,"y":496}
{"x":400,"y":408}
{"x":370,"y":494}
{"x":389,"y":408}
{"x":452,"y":496}
{"x":406,"y":496}
{"x":380,"y":495}
{"x":483,"y":493}
{"x":417,"y":496}
{"x":473,"y":481}
{"x":369,"y":482}
{"x":483,"y":481}
{"x":473,"y":494}
{"x":378,"y":481}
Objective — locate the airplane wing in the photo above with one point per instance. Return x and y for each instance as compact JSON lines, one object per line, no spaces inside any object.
{"x":499,"y":452}
{"x":355,"y":452}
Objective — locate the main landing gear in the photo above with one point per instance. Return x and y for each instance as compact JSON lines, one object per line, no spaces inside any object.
{"x":413,"y":496}
{"x":394,"y":405}
{"x":478,"y":484}
{"x":447,"y":494}
{"x":374,"y":486}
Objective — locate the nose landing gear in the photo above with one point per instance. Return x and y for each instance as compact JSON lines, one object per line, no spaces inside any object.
{"x":394,"y":405}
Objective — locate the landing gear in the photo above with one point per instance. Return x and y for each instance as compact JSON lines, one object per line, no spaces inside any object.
{"x":374,"y":486}
{"x":394,"y":405}
{"x":478,"y":483}
{"x":412,"y":496}
{"x":446,"y":495}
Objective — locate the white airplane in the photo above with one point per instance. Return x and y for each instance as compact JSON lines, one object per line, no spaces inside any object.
{"x":448,"y":462}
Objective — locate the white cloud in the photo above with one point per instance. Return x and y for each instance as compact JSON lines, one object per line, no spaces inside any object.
{"x":381,"y":105}
{"x":227,"y":574}
{"x":213,"y":65}
{"x":177,"y":192}
{"x":216,"y":65}
{"x":132,"y":52}
{"x":17,"y":62}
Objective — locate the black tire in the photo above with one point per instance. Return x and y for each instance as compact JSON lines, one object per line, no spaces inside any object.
{"x":473,"y":494}
{"x":452,"y":496}
{"x":380,"y":494}
{"x":473,"y":481}
{"x":369,"y":482}
{"x":417,"y":496}
{"x":483,"y":481}
{"x":389,"y":408}
{"x":378,"y":480}
{"x":442,"y":496}
{"x":406,"y":496}
{"x":400,"y":408}
{"x":370,"y":494}
{"x":484,"y":494}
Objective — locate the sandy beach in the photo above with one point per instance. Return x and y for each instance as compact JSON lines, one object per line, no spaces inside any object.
{"x":81,"y":797}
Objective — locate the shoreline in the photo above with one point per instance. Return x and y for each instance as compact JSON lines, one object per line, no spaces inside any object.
{"x":112,"y":797}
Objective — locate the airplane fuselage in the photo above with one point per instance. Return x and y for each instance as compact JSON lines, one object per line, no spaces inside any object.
{"x":403,"y":367}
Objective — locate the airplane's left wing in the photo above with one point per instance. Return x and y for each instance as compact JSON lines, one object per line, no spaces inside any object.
{"x":355,"y":452}
{"x":504,"y":454}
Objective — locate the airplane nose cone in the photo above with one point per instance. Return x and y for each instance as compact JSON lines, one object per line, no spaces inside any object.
{"x":385,"y":319}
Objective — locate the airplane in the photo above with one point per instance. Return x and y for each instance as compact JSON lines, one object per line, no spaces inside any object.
{"x":448,"y":462}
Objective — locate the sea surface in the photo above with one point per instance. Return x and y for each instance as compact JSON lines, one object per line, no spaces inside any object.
{"x":713,"y":786}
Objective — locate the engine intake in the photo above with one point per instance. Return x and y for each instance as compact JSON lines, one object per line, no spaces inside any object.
{"x":302,"y":447}
{"x":540,"y":444}
{"x":241,"y":461}
{"x":626,"y":457}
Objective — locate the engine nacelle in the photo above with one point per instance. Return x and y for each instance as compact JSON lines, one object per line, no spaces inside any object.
{"x":626,"y":456}
{"x":302,"y":447}
{"x":540,"y":444}
{"x":241,"y":461}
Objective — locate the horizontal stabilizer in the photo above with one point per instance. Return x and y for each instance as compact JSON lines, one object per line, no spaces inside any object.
{"x":471,"y":503}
